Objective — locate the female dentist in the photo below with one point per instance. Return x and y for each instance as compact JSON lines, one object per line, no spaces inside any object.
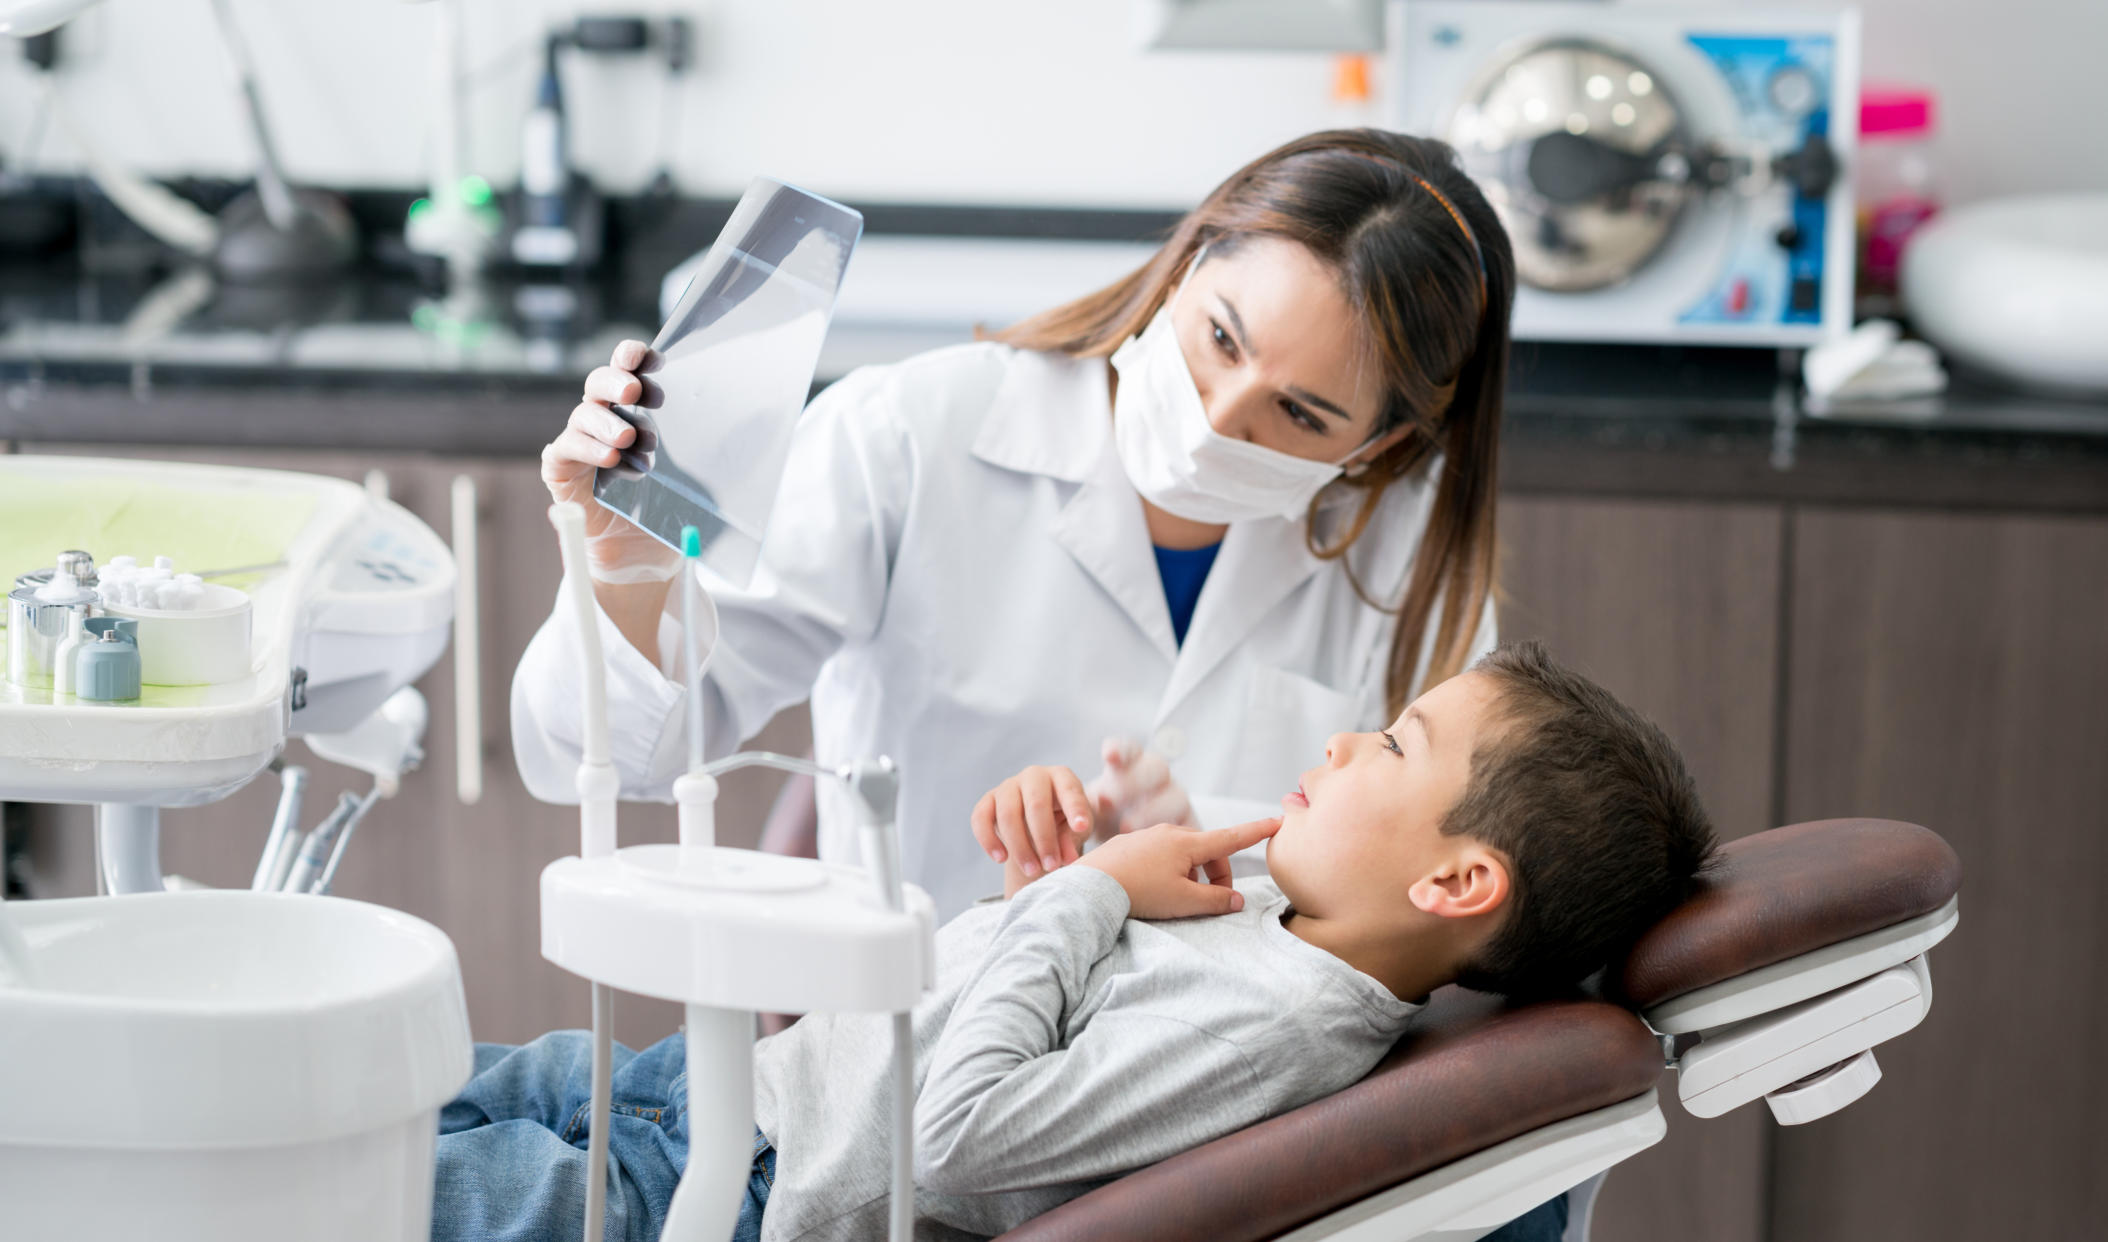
{"x":1234,"y":503}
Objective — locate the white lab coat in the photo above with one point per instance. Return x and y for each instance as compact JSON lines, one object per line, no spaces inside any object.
{"x":958,"y":575}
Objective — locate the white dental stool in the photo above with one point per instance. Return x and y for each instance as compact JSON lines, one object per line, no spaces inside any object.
{"x":226,"y":1067}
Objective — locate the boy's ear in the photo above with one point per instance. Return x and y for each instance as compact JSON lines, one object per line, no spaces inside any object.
{"x":1473,"y":881}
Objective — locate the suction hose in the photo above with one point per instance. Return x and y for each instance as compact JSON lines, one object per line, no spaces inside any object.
{"x":597,"y":787}
{"x":876,"y":787}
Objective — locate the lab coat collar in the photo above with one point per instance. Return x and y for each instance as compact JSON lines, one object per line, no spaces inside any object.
{"x":1103,"y":528}
{"x":1261,"y":562}
{"x":1052,"y":415}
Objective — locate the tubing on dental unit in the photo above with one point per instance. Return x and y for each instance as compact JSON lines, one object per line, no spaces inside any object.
{"x":597,"y":782}
{"x":597,"y":790}
{"x":316,"y":847}
{"x":277,"y":861}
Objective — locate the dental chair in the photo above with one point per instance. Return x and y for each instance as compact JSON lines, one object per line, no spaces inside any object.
{"x":1803,"y":950}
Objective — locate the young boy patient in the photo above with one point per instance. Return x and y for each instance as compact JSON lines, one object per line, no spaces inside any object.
{"x":1510,"y":832}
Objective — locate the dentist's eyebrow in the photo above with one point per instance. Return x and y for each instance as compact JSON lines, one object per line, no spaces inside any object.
{"x":1307,"y":397}
{"x":1244,"y":343}
{"x":1237,"y":327}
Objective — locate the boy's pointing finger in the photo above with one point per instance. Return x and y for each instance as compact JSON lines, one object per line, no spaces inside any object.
{"x":1223,"y":842}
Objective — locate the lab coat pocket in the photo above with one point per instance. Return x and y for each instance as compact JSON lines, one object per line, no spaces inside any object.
{"x":1287,"y":718}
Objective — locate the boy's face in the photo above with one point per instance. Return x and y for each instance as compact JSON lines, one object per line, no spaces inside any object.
{"x":1364,"y":828}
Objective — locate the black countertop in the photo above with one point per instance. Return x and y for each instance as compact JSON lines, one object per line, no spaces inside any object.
{"x":380,"y":362}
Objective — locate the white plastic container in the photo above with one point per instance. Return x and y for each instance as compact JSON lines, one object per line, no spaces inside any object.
{"x":201,"y":646}
{"x":226,"y":1067}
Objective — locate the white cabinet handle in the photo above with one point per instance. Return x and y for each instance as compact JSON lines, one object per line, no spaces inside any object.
{"x":468,"y":652}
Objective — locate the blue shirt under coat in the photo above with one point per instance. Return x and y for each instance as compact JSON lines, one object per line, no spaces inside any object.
{"x":1184,"y":571}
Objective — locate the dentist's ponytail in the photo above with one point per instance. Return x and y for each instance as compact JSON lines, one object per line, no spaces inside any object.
{"x":1427,"y":268}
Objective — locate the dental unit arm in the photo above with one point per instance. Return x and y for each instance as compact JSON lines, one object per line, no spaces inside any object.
{"x":729,"y":932}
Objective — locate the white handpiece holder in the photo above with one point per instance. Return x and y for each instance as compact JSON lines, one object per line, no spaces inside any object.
{"x":729,"y":932}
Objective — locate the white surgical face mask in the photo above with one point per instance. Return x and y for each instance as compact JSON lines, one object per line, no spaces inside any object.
{"x":1176,"y":458}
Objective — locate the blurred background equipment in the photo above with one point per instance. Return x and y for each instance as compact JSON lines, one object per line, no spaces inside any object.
{"x":275,"y":231}
{"x":2017,"y":287}
{"x":1260,"y":25}
{"x":1665,"y":174}
{"x":456,"y":220}
{"x":1897,"y":184}
{"x":560,"y":221}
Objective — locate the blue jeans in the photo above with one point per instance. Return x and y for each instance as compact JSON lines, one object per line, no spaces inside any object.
{"x":512,"y":1147}
{"x":1544,"y":1223}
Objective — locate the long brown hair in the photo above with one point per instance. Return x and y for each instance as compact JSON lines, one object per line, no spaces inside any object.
{"x":1427,"y":268}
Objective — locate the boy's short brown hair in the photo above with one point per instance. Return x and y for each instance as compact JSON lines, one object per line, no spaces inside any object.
{"x":1592,"y":807}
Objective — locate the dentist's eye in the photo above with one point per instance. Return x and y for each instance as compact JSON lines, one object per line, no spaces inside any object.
{"x":1391,"y":744}
{"x":1303,"y":418}
{"x":1222,"y":340}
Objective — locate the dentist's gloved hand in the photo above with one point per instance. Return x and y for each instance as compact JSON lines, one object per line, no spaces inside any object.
{"x":1155,"y":867}
{"x":1136,"y":790}
{"x":616,"y":549}
{"x":1036,"y":821}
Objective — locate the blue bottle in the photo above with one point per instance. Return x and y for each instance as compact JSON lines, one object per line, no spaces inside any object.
{"x":107,"y":669}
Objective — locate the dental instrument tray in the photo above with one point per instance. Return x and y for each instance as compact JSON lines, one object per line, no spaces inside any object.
{"x":729,"y":376}
{"x":352,"y":597}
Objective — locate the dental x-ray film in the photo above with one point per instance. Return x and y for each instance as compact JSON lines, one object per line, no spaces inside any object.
{"x":729,"y":376}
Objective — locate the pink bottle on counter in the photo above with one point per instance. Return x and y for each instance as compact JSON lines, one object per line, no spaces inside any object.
{"x":1897,"y":188}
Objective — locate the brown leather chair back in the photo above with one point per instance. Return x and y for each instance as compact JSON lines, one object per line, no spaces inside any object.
{"x":1778,"y":894}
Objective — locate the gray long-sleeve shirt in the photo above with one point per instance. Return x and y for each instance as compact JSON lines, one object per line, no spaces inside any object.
{"x":1064,"y":1044}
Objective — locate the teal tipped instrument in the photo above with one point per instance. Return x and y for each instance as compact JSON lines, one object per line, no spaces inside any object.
{"x":699,"y":635}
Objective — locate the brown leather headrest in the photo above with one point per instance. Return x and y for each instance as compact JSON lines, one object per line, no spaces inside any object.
{"x":1469,"y":1073}
{"x":1789,"y":891}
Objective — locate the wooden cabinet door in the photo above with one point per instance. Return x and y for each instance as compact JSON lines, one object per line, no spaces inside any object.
{"x":1673,"y":607}
{"x":1953,"y":671}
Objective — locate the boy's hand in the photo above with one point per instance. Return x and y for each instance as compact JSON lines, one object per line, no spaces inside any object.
{"x":1036,"y":821}
{"x":1156,"y":865}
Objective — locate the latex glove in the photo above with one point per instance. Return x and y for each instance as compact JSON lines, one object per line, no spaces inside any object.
{"x":616,"y":550}
{"x":1156,"y":868}
{"x":1136,"y":790}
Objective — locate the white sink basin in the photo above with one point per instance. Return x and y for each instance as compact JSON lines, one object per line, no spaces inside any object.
{"x":226,"y":1066}
{"x":2017,"y":287}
